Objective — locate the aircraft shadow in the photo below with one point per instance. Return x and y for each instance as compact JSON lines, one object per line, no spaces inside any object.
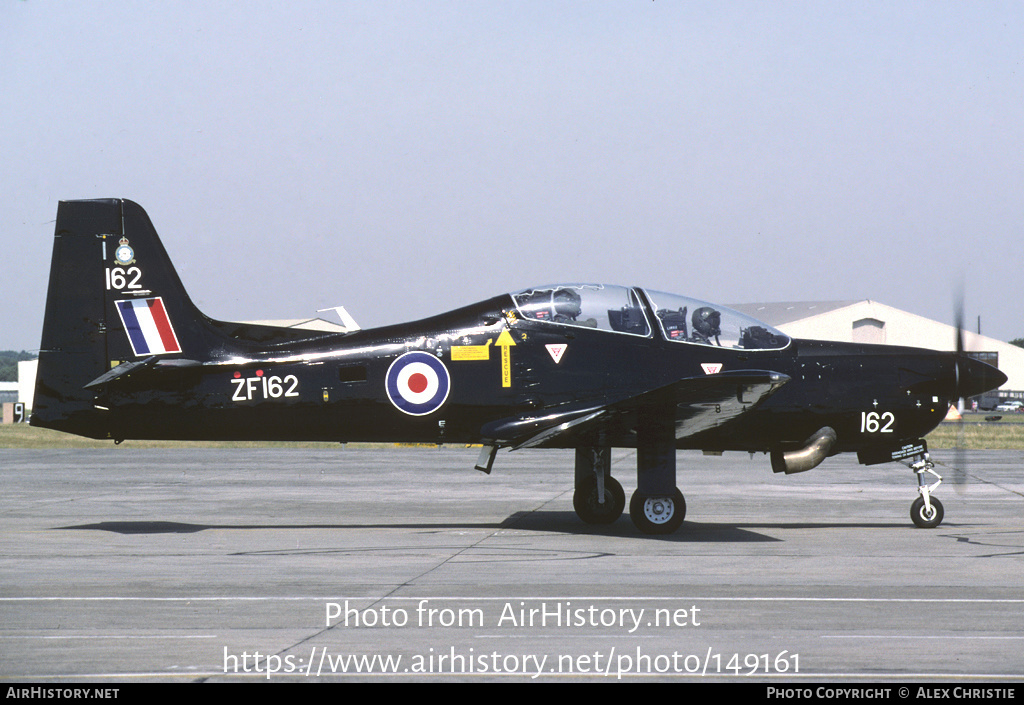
{"x":540,"y":521}
{"x":690,"y":531}
{"x":174,"y":527}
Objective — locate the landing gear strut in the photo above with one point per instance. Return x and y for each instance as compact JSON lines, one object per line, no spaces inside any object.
{"x":595,"y":506}
{"x":926,"y":511}
{"x":657,"y":506}
{"x":599,"y":498}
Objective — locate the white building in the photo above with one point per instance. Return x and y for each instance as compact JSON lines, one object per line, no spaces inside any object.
{"x":27,"y":381}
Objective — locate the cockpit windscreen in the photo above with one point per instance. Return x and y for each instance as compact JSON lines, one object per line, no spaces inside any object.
{"x":609,"y":308}
{"x":688,"y":320}
{"x":619,"y":309}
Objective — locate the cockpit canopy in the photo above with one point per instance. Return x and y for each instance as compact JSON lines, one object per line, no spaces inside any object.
{"x":620,"y":309}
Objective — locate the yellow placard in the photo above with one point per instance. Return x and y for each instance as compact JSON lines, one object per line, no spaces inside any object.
{"x":463,"y":353}
{"x":472,"y":352}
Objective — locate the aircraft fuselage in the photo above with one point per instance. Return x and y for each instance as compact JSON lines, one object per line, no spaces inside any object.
{"x":335,"y":389}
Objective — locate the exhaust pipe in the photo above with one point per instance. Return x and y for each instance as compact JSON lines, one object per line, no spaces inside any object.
{"x":810,"y":456}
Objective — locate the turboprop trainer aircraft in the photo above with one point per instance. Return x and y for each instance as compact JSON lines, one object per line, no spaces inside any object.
{"x":126,"y":355}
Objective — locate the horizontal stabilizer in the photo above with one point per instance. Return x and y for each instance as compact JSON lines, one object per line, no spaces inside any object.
{"x":125,"y":369}
{"x":120,"y":371}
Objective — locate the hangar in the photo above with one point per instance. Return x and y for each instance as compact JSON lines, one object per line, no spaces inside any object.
{"x":866,"y":321}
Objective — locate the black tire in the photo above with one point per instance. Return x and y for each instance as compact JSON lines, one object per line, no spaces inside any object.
{"x":657,"y":515}
{"x":584,"y":501}
{"x":922,"y":518}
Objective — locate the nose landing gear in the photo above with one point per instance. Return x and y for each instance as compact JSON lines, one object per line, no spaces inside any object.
{"x":926,"y":511}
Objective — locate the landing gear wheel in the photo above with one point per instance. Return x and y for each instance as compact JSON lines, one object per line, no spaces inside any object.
{"x":585,"y":502}
{"x":657,"y":515}
{"x":924,"y":519}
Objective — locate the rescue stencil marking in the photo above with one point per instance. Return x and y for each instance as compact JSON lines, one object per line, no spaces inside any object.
{"x":711,"y":368}
{"x":148,"y":327}
{"x":505,"y":342}
{"x":417,"y":383}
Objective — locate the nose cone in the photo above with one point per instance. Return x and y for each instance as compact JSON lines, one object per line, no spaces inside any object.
{"x":976,"y":377}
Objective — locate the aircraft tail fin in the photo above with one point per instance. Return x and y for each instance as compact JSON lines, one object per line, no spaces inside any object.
{"x":114,"y":297}
{"x":116,"y":309}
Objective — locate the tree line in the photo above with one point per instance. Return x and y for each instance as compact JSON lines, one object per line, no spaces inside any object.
{"x":9,"y":360}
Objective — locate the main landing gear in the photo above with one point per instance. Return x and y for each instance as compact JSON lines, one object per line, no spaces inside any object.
{"x":657,"y":515}
{"x":599,"y":500}
{"x":656,"y":507}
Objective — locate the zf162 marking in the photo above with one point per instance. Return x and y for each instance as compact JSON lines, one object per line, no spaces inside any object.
{"x":262,"y":387}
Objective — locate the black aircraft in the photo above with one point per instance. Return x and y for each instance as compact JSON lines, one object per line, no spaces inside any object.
{"x":126,"y":355}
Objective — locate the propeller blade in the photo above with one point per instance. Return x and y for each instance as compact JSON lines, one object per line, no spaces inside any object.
{"x":960,"y":452}
{"x":958,"y":321}
{"x":960,"y":459}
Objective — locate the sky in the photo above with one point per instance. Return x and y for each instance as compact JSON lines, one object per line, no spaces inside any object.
{"x":407,"y":158}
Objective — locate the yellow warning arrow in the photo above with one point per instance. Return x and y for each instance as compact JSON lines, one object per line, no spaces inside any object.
{"x":505,"y":342}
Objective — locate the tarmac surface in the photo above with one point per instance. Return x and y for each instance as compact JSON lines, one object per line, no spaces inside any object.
{"x":405,"y":563}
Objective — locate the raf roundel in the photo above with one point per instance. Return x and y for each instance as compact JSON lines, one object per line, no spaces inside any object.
{"x":417,"y":383}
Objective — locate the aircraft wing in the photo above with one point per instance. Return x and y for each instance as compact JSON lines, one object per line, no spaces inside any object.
{"x":698,"y":404}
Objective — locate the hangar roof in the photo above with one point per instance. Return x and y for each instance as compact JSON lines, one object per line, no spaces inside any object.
{"x":781,"y":313}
